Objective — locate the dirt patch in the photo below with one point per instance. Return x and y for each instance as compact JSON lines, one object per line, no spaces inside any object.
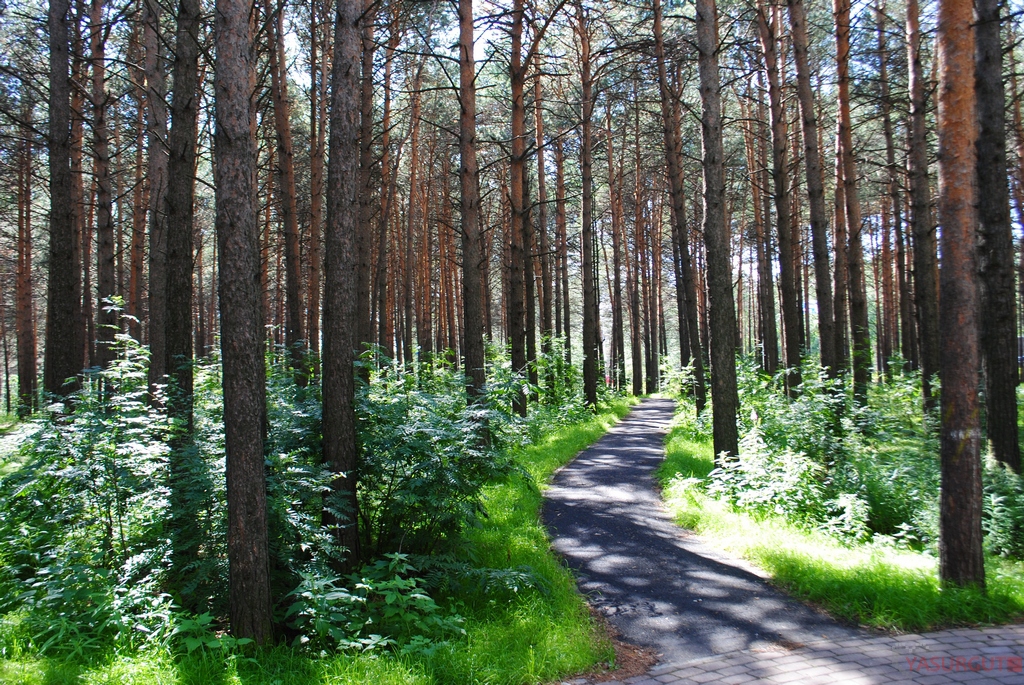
{"x":630,"y":660}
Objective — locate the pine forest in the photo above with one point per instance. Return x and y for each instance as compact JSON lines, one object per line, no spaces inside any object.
{"x":302,"y":303}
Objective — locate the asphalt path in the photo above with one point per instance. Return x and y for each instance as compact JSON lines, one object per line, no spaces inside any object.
{"x":657,"y":583}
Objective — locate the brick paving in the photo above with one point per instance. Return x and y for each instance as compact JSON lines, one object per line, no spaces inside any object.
{"x":984,"y":655}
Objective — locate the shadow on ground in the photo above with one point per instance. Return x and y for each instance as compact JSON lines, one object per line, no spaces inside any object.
{"x":657,"y":584}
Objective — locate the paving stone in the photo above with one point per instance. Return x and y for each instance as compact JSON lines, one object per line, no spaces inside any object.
{"x":936,"y":679}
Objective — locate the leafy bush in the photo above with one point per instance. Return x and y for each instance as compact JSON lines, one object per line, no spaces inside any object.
{"x":113,"y":531}
{"x":82,"y":524}
{"x":386,"y":606}
{"x":856,"y":472}
{"x":1003,"y":519}
{"x":763,"y":481}
{"x":424,"y":459}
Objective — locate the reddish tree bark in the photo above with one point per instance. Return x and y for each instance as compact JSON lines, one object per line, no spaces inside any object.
{"x":961,"y":560}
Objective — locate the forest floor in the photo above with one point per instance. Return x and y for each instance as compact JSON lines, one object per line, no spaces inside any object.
{"x":711,"y":617}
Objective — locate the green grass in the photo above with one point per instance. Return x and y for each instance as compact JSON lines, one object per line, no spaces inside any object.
{"x":874,"y":585}
{"x":536,"y":637}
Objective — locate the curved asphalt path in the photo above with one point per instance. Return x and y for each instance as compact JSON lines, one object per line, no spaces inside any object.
{"x":657,"y":584}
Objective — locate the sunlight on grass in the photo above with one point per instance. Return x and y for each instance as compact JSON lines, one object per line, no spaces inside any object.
{"x":533,"y":637}
{"x":875,"y":585}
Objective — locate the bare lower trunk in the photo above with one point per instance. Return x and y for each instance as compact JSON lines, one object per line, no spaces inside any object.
{"x":860,"y":334}
{"x":563,"y":244}
{"x":63,"y":358}
{"x":925,"y":269}
{"x":815,"y":186}
{"x":241,"y":323}
{"x":543,"y":243}
{"x":24,"y":326}
{"x":106,"y":317}
{"x":294,"y":336}
{"x":998,"y":310}
{"x":516,"y":292}
{"x":179,"y":204}
{"x":780,"y":179}
{"x":680,"y":232}
{"x":725,"y":401}
{"x":590,"y":341}
{"x":961,"y":561}
{"x":473,"y":264}
{"x":364,"y":327}
{"x":157,"y":176}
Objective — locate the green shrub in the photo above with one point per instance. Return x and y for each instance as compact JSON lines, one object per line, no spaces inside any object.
{"x":855,"y":472}
{"x":1003,"y":519}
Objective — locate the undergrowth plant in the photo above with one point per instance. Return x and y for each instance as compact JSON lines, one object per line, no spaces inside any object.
{"x":847,"y":495}
{"x":101,"y":548}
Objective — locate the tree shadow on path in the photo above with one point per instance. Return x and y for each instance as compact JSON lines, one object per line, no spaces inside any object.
{"x":656,"y":583}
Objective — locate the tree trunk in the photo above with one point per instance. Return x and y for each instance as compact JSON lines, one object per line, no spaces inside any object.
{"x":79,"y":201}
{"x":340,"y":281}
{"x":925,"y":269}
{"x":318,"y":66}
{"x":63,"y":359}
{"x":136,"y":279}
{"x":590,"y":341}
{"x":413,"y":217}
{"x":563,"y":243}
{"x":24,"y":326}
{"x":780,"y":182}
{"x":544,"y":244}
{"x":294,"y":336}
{"x":179,"y":205}
{"x":680,"y":232}
{"x":473,"y":264}
{"x":894,"y":190}
{"x":618,"y":365}
{"x":961,"y":560}
{"x":516,"y":292}
{"x":995,"y":253}
{"x":364,"y":325}
{"x":530,"y":287}
{"x":241,"y":323}
{"x":756,"y":167}
{"x":106,"y":317}
{"x":181,"y":170}
{"x":156,"y":130}
{"x":815,"y":186}
{"x":860,"y":333}
{"x":725,"y":400}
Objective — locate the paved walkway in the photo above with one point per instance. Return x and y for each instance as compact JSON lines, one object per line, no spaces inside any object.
{"x":712,"y":618}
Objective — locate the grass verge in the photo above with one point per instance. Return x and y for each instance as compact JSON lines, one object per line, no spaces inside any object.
{"x":533,"y":638}
{"x":873,"y":585}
